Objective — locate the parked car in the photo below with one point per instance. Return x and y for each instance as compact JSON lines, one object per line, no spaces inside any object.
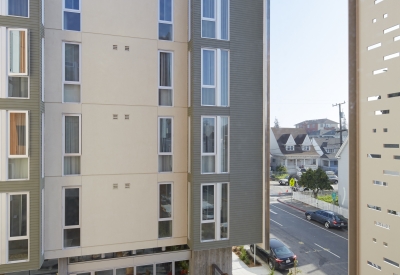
{"x":286,"y":180}
{"x":279,"y":256}
{"x":330,"y":173}
{"x":328,"y":218}
{"x":333,"y":179}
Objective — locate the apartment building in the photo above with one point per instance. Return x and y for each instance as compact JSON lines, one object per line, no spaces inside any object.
{"x":149,"y":167}
{"x":374,"y":148}
{"x":21,"y":113}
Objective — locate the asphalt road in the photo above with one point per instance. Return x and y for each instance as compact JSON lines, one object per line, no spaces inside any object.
{"x":319,"y":251}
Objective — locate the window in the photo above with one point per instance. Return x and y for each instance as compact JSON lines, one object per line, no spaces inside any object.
{"x":18,"y":80}
{"x":391,"y":262}
{"x":325,"y":163}
{"x":374,"y":207}
{"x":18,"y":147}
{"x":165,"y":22}
{"x":18,"y":237}
{"x":72,"y":73}
{"x":215,"y":77}
{"x":42,"y":153}
{"x":165,"y":89}
{"x":165,"y":210}
{"x":71,"y":215}
{"x":214,"y":211}
{"x":72,"y":144}
{"x":393,"y":212}
{"x":72,"y":15}
{"x":378,"y":182}
{"x":289,"y":148}
{"x":17,"y":7}
{"x":306,"y":148}
{"x":215,"y":19}
{"x":145,"y":269}
{"x":164,"y":144}
{"x":374,"y":265}
{"x":215,"y":145}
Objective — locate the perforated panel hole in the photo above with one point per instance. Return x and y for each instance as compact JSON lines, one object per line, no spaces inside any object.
{"x":115,"y":185}
{"x":126,"y":116}
{"x":126,"y":48}
{"x":115,"y":47}
{"x":127,"y":185}
{"x":115,"y":116}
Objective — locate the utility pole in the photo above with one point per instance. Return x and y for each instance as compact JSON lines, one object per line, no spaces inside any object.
{"x":340,"y":120}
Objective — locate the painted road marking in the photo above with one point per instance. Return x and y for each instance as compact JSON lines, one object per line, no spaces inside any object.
{"x":272,"y":212}
{"x":276,"y":222}
{"x":327,"y":250}
{"x":309,"y":222}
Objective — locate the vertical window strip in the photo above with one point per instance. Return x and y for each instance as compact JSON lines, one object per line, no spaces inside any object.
{"x":17,"y":8}
{"x":71,"y":73}
{"x":18,"y":145}
{"x":215,"y":19}
{"x":215,"y":77}
{"x":18,"y":224}
{"x":165,"y":214}
{"x":18,"y":78}
{"x":71,"y":217}
{"x":72,"y":144}
{"x":165,"y":79}
{"x":165,"y":144}
{"x":71,"y":15}
{"x":165,"y":20}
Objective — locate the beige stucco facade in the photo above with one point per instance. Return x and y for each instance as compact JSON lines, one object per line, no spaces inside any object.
{"x":116,"y":151}
{"x":377,"y":229}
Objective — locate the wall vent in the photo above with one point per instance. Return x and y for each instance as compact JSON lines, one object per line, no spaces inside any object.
{"x":115,"y":185}
{"x":115,"y":116}
{"x":127,"y":48}
{"x":127,"y":185}
{"x":115,"y":47}
{"x":126,"y":116}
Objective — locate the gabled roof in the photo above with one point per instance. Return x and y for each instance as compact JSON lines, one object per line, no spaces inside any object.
{"x":318,"y":121}
{"x":282,"y":136}
{"x":342,"y":148}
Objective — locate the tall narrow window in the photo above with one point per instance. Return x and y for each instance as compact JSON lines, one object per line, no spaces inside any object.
{"x":164,"y":144}
{"x":165,"y":20}
{"x":72,"y":145}
{"x":215,"y":77}
{"x":215,"y":19}
{"x":215,"y":211}
{"x":72,"y":228}
{"x":18,"y":238}
{"x":165,"y":90}
{"x":18,"y":8}
{"x":18,"y":81}
{"x":215,"y":145}
{"x":72,"y":15}
{"x":18,"y":146}
{"x":72,"y":73}
{"x":165,"y":210}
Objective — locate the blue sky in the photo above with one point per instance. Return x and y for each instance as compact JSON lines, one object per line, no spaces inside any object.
{"x":308,"y":60}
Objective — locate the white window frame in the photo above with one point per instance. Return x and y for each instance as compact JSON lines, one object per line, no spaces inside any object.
{"x":172,"y":141}
{"x":217,"y":77}
{"x":306,"y":148}
{"x":27,"y":227}
{"x":42,"y":221}
{"x":172,"y":209}
{"x":216,"y":19}
{"x":43,"y":136}
{"x":217,"y":208}
{"x":189,"y":77}
{"x":71,"y":10}
{"x":166,"y":22}
{"x":27,"y":130}
{"x":217,"y":150}
{"x":64,"y":82}
{"x":26,"y":52}
{"x":4,"y":6}
{"x":289,"y":147}
{"x":43,"y":69}
{"x":172,"y":77}
{"x":189,"y":146}
{"x":63,"y":143}
{"x":63,"y":216}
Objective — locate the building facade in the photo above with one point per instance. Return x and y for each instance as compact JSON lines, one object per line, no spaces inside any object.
{"x":317,"y":124}
{"x":147,"y":105}
{"x":374,"y":204}
{"x":21,"y":113}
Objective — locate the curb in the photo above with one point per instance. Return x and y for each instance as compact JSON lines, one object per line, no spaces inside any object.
{"x":291,"y":206}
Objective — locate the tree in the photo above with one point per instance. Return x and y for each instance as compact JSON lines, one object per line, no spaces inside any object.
{"x":315,"y":180}
{"x":276,"y":123}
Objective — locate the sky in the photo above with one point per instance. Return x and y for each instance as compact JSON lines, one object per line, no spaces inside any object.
{"x":309,"y":60}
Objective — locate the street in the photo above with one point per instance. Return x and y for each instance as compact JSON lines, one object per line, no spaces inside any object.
{"x":319,"y":250}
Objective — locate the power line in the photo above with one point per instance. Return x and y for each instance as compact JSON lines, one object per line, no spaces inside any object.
{"x":340,"y":120}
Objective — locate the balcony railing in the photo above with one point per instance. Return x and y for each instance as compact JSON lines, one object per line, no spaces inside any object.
{"x":217,"y":271}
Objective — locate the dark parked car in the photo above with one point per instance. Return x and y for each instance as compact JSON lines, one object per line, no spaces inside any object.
{"x":328,"y":218}
{"x":279,"y":256}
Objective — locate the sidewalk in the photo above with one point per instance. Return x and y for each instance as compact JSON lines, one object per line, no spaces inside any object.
{"x":301,"y":206}
{"x":240,"y":268}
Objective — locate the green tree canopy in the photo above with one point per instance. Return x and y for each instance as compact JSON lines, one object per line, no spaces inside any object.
{"x":315,"y":180}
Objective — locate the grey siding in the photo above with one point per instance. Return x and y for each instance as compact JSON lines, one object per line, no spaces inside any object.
{"x":246,"y":124}
{"x":33,"y":105}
